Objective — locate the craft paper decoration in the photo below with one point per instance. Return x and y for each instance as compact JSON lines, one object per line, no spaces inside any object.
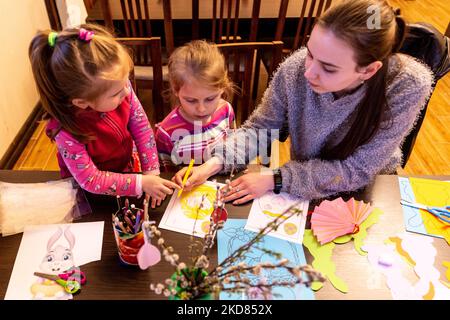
{"x":362,"y":234}
{"x":414,"y":251}
{"x":50,"y":249}
{"x":332,"y":219}
{"x":322,"y":262}
{"x":233,"y":236}
{"x":447,"y":273}
{"x":183,"y":213}
{"x":378,"y":255}
{"x":428,"y":192}
{"x":322,"y":254}
{"x":270,"y":206}
{"x":25,"y":204}
{"x":420,"y":253}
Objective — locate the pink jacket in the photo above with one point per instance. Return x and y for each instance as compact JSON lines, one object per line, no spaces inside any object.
{"x":99,"y":165}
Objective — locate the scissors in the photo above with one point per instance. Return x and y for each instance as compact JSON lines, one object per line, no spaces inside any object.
{"x":74,"y":274}
{"x":442,"y":213}
{"x":69,"y":286}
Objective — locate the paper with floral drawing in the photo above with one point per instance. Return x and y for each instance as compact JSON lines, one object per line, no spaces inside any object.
{"x":233,"y":236}
{"x":183,"y":214}
{"x":33,"y":251}
{"x":269,"y":206}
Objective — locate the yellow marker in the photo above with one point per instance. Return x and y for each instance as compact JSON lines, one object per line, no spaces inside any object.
{"x":186,"y":175}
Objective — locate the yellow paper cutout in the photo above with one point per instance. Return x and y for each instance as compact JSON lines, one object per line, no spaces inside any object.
{"x":432,"y":193}
{"x":359,"y":237}
{"x":398,"y":246}
{"x":447,"y":273}
{"x":322,"y":261}
{"x":430,"y":294}
{"x":190,"y":202}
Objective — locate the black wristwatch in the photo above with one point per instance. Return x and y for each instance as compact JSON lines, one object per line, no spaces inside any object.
{"x":277,"y":181}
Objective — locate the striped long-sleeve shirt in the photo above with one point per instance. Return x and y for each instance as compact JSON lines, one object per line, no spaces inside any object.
{"x":179,"y":140}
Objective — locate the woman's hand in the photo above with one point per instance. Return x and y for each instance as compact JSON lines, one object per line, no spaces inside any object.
{"x":249,"y":186}
{"x":157,"y":188}
{"x":198,"y":175}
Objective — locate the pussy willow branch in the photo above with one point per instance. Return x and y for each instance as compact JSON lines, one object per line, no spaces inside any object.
{"x":238,"y":271}
{"x":195,"y":243}
{"x":244,"y":283}
{"x":292,"y":210}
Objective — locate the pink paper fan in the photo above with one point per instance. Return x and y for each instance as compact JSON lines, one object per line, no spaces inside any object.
{"x":332,"y":219}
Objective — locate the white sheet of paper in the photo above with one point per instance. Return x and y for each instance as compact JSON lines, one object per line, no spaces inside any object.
{"x":33,"y":250}
{"x":267,"y":207}
{"x":181,"y":213}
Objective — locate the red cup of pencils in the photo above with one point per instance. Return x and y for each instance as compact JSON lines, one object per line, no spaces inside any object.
{"x":127,"y":227}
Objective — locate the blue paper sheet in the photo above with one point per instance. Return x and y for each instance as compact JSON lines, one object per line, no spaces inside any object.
{"x":233,"y":236}
{"x":411,"y":216}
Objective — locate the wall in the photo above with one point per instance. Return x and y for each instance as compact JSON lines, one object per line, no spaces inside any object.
{"x":19,"y":22}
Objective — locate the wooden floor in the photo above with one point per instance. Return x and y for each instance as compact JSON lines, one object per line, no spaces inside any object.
{"x":431,"y":154}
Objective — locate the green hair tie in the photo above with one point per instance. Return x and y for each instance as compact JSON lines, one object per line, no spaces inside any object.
{"x":52,"y":38}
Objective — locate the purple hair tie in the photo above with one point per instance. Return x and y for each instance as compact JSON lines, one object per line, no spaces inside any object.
{"x":85,"y":35}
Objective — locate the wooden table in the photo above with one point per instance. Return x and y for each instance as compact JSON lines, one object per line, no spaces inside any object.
{"x":108,"y":279}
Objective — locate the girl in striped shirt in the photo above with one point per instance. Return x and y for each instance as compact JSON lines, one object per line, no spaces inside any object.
{"x":199,"y":84}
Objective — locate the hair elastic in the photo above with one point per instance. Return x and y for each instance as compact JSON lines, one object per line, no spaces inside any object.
{"x":52,"y":38}
{"x":85,"y":35}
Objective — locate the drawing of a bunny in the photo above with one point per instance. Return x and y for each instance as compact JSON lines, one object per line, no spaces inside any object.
{"x":56,"y":261}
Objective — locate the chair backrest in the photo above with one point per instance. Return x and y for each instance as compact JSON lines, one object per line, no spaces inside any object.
{"x":147,"y":52}
{"x":137,"y":19}
{"x":309,"y":11}
{"x":427,"y":44}
{"x":242,"y":61}
{"x":53,"y":16}
{"x":225,"y":21}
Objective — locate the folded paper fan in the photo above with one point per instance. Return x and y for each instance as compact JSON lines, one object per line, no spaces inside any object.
{"x":332,"y":219}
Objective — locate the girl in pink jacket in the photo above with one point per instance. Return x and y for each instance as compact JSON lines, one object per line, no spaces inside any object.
{"x":95,"y":117}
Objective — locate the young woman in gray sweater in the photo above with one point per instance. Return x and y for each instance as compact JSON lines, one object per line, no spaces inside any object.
{"x":347,"y":101}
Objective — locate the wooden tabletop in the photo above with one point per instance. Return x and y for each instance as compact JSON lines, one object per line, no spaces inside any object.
{"x":108,"y":279}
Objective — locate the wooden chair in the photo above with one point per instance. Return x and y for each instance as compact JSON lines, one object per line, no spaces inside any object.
{"x":310,"y":10}
{"x":225,"y":20}
{"x":137,"y":19}
{"x":304,"y":22}
{"x":241,"y":59}
{"x":147,"y":73}
{"x":53,"y":16}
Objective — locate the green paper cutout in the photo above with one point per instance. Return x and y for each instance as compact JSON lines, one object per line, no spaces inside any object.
{"x":362,"y":233}
{"x":322,"y":261}
{"x":343,"y":239}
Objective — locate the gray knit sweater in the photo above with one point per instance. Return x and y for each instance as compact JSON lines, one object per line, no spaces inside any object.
{"x":313,"y":120}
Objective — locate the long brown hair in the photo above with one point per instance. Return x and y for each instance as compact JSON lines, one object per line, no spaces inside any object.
{"x":351,"y":21}
{"x":74,"y":68}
